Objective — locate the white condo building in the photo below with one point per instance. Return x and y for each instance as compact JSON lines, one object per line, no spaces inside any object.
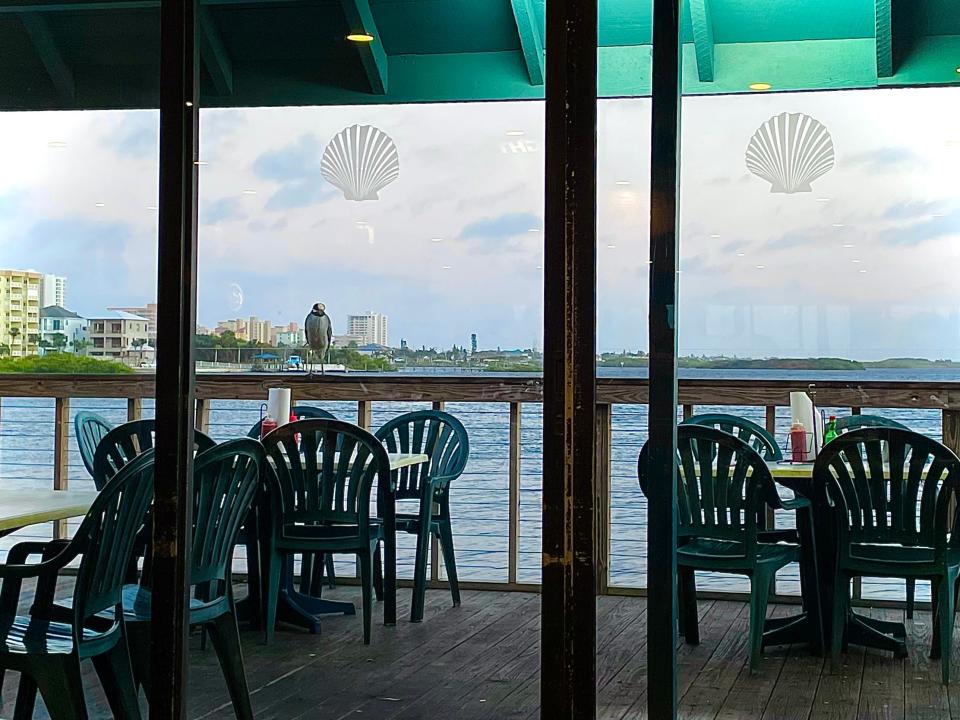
{"x":53,"y":291}
{"x":371,"y":326}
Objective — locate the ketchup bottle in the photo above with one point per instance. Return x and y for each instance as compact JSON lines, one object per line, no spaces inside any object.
{"x":267,"y":425}
{"x":798,"y":442}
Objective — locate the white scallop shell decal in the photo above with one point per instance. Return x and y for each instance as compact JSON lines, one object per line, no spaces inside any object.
{"x":361,"y":160}
{"x":790,"y":151}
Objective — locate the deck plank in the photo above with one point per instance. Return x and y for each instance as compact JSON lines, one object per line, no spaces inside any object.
{"x":882,"y":690}
{"x":925,"y":697}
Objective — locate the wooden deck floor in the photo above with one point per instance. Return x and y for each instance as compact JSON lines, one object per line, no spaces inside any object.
{"x":480,"y":661}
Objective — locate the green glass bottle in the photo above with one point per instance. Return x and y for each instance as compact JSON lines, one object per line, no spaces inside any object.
{"x":830,"y":432}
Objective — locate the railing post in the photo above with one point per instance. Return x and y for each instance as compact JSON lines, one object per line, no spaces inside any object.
{"x":513,"y":538}
{"x":61,"y":444}
{"x":364,"y":414}
{"x":855,"y":410}
{"x":771,"y":516}
{"x":688,"y":411}
{"x":203,"y":415}
{"x":134,"y":409}
{"x":601,"y":522}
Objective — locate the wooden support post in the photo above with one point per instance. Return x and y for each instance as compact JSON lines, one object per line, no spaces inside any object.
{"x":604,"y":466}
{"x":61,"y":452}
{"x":688,"y":411}
{"x":661,"y":501}
{"x":514,"y":449}
{"x":365,"y":414}
{"x":176,"y":323}
{"x":203,"y":415}
{"x":134,"y":409}
{"x":855,"y":410}
{"x":568,"y":688}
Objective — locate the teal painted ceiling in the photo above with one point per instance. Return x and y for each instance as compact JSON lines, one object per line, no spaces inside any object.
{"x":105,"y":53}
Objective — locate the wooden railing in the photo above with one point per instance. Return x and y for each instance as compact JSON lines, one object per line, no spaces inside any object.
{"x":513,"y":391}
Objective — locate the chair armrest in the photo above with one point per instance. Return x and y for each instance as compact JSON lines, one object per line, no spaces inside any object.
{"x":21,"y":552}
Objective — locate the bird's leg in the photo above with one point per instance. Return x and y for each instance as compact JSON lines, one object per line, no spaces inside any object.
{"x":309,"y":362}
{"x":323,"y":357}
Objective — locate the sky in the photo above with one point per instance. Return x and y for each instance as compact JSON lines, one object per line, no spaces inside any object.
{"x":863,"y":266}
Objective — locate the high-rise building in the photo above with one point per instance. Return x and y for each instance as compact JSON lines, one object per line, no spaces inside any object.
{"x":260,"y":331}
{"x":20,"y":311}
{"x":53,"y":291}
{"x":371,"y":326}
{"x":149,"y":311}
{"x":473,"y":343}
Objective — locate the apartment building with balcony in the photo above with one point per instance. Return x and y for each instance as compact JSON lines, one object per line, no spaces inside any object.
{"x":116,"y":334}
{"x":20,"y":312}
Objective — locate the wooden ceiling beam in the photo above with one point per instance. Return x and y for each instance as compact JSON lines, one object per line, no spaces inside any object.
{"x":372,"y":55}
{"x":46,"y":45}
{"x":884,"y":25}
{"x":214,"y":54}
{"x":703,"y":38}
{"x":531,"y":41}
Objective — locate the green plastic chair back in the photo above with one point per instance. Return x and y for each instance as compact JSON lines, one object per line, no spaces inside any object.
{"x":301,"y":412}
{"x":904,"y":501}
{"x":106,"y":539}
{"x":126,"y":442}
{"x":327,"y":477}
{"x":434,"y":433}
{"x":225,"y":482}
{"x":89,"y":429}
{"x":857,"y":422}
{"x":722,"y":483}
{"x":754,"y":435}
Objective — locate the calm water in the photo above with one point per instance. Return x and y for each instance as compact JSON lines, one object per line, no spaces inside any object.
{"x":480,"y":498}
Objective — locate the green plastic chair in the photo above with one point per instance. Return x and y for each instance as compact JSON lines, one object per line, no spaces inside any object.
{"x":848,"y":423}
{"x":754,"y":435}
{"x":89,"y":429}
{"x":321,"y":501}
{"x":46,"y":651}
{"x":723,"y":485}
{"x":226,"y":479}
{"x":311,"y":574}
{"x":443,"y":438}
{"x":893,"y":519}
{"x":125,"y":442}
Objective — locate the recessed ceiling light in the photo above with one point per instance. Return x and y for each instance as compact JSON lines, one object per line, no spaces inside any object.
{"x":189,"y":103}
{"x":838,"y":225}
{"x":539,"y":267}
{"x":100,"y":204}
{"x":741,"y":254}
{"x":760,"y":86}
{"x":958,"y":70}
{"x":761,"y":267}
{"x":447,"y":267}
{"x":152,"y":207}
{"x":436,"y":239}
{"x":848,"y":245}
{"x":249,"y":192}
{"x":623,"y":182}
{"x":515,"y":133}
{"x":360,"y":37}
{"x":611,"y":246}
{"x":823,"y":199}
{"x":715,"y":235}
{"x":855,"y":260}
{"x":56,"y":144}
{"x":863,"y":271}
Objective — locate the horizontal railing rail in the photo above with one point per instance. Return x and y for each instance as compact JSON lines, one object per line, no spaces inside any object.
{"x":616,"y":445}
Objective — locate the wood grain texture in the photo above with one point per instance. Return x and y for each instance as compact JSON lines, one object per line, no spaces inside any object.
{"x":61,"y":455}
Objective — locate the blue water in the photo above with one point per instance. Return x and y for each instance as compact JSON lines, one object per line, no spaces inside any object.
{"x":480,"y":497}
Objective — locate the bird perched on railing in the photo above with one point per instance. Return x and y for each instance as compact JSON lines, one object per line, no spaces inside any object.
{"x":319,"y":332}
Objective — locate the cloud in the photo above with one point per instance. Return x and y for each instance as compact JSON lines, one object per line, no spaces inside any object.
{"x":136,"y":136}
{"x":887,"y":159}
{"x":919,"y":232}
{"x":500,"y":227}
{"x":297,"y":168}
{"x":911,"y":209}
{"x":789,"y":239}
{"x":228,"y":208}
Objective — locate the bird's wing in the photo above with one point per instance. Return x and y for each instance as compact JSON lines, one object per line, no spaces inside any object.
{"x":329,"y":330}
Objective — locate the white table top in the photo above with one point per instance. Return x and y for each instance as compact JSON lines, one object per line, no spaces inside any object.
{"x":19,"y":508}
{"x":402,"y":460}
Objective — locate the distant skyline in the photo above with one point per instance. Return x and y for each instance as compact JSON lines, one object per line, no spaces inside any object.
{"x":864,"y":267}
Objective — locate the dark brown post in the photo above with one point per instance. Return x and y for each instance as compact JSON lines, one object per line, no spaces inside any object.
{"x":661,"y":508}
{"x":568,"y":634}
{"x":603,"y":456}
{"x":176,"y":320}
{"x":61,"y":448}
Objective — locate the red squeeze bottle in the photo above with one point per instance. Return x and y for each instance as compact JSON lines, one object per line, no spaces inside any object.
{"x":798,"y":442}
{"x":293,"y":418}
{"x":267,"y":425}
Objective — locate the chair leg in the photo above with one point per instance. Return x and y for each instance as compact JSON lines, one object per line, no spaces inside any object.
{"x":116,"y":676}
{"x":841,"y":600}
{"x":26,"y":698}
{"x":271,"y":591}
{"x":945,"y":608}
{"x":331,"y":572}
{"x":62,"y":690}
{"x":306,"y":572}
{"x":911,"y":592}
{"x":688,"y":605}
{"x":378,"y":573}
{"x":365,"y":559}
{"x":759,"y":595}
{"x":226,"y":641}
{"x":138,"y":644}
{"x":449,"y":558}
{"x":420,"y":568}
